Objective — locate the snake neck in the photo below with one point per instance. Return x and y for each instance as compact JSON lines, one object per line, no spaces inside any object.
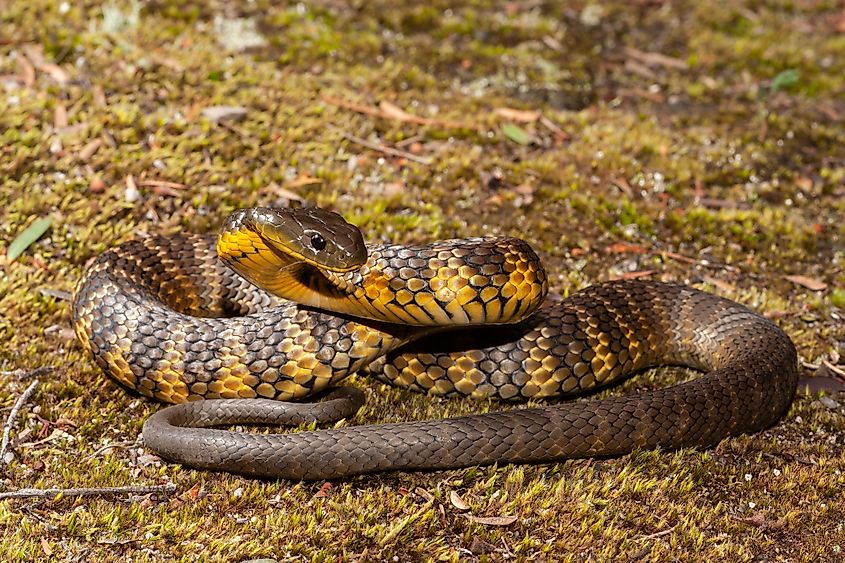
{"x":455,"y":282}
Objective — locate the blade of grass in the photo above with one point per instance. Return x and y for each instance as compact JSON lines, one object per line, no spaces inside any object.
{"x":516,"y":134}
{"x":29,"y":235}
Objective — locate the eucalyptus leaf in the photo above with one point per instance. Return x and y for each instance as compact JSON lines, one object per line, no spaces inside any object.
{"x":786,"y":79}
{"x":516,"y":134}
{"x":27,"y":237}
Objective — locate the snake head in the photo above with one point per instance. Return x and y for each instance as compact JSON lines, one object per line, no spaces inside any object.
{"x":315,"y":236}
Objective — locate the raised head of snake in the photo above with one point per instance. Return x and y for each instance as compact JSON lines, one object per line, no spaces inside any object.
{"x":314,"y":257}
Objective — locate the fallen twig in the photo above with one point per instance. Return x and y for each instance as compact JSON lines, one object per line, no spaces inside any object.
{"x":387,"y":110}
{"x":22,"y":375}
{"x":835,"y":369}
{"x":829,"y":365}
{"x":657,"y":534}
{"x":56,"y":293}
{"x":552,"y":126}
{"x":107,"y":447}
{"x":89,"y":492}
{"x":386,"y":150}
{"x":360,"y":108}
{"x":10,"y":421}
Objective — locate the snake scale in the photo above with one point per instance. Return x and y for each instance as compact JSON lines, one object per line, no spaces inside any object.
{"x":283,"y":304}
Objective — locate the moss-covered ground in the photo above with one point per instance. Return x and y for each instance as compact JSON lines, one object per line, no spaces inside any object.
{"x":675,"y":140}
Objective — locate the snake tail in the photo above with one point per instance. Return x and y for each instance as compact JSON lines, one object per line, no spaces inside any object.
{"x":749,"y":380}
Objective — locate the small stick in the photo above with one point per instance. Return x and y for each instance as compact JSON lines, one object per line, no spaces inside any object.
{"x":837,"y":370}
{"x":89,"y":492}
{"x":57,"y":293}
{"x":107,"y":447}
{"x":656,"y":534}
{"x":809,"y":365}
{"x":385,"y":149}
{"x":360,"y":108}
{"x":21,"y":374}
{"x":407,"y":117}
{"x":10,"y":421}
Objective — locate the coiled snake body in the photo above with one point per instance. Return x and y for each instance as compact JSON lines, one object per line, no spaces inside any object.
{"x":166,"y":317}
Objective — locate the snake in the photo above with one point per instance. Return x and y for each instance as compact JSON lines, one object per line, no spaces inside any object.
{"x":283,"y":304}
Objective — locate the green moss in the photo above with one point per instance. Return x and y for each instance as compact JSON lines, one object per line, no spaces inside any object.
{"x":707,"y":168}
{"x":837,"y":297}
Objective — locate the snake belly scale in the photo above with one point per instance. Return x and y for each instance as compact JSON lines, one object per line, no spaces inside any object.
{"x":284,"y":304}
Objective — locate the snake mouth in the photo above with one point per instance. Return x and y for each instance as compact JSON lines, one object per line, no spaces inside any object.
{"x":287,"y":251}
{"x":320,"y":238}
{"x":302,"y":255}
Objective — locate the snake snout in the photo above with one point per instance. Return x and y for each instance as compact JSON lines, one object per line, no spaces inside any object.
{"x":318,"y":237}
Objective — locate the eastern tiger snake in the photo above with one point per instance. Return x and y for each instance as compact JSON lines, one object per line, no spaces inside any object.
{"x":166,"y":317}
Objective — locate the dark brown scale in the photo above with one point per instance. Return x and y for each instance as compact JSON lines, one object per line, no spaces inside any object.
{"x":749,"y":384}
{"x":195,"y":329}
{"x":139,"y":307}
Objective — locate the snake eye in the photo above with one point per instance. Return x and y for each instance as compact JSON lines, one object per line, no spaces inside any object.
{"x":318,"y":242}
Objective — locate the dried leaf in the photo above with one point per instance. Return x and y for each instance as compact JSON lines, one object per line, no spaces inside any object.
{"x":804,"y":183}
{"x":810,"y":283}
{"x":98,"y":95}
{"x":560,"y":134}
{"x":516,"y":134}
{"x":194,"y":492}
{"x":525,"y":189}
{"x":224,"y":113}
{"x":324,"y":490}
{"x":625,"y":248}
{"x":56,"y":72}
{"x":393,"y":189}
{"x":623,"y":185}
{"x":89,"y":149}
{"x":96,"y":186}
{"x":388,"y":110}
{"x":392,"y":111}
{"x":679,"y":257}
{"x":494,"y":200}
{"x":59,"y":116}
{"x":656,"y":59}
{"x":723,"y":285}
{"x":34,"y":53}
{"x":458,"y":502}
{"x":760,"y":521}
{"x":491,"y":520}
{"x":479,"y":546}
{"x":285,"y":193}
{"x":45,"y":547}
{"x":303,"y":180}
{"x":424,"y":494}
{"x":165,"y":191}
{"x":27,"y":237}
{"x":520,"y":115}
{"x":27,"y":71}
{"x":635,"y":275}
